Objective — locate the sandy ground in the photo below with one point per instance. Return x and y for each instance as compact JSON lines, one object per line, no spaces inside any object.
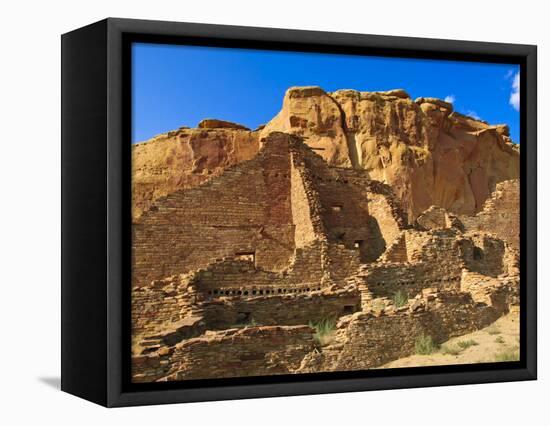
{"x":498,"y":342}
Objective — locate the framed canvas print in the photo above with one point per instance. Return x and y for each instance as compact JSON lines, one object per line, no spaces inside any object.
{"x":252,"y":212}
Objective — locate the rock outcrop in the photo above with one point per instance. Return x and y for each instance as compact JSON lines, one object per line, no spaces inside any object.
{"x":213,"y":123}
{"x":185,"y":158}
{"x":429,"y":154}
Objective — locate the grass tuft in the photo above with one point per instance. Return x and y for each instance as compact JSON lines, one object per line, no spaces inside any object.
{"x":400,"y":298}
{"x":465,"y":344}
{"x":424,"y":345}
{"x":324,"y":330}
{"x":499,"y":339}
{"x":450,"y":350}
{"x":508,"y":354}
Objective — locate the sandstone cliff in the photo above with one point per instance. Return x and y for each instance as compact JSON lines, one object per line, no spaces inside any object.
{"x":187,"y":157}
{"x":428,"y":153}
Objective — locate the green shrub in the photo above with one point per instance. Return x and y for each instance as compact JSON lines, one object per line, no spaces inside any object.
{"x":324,"y":330}
{"x":424,"y":345}
{"x":400,"y":298}
{"x":450,"y":350}
{"x":465,"y":344}
{"x":509,"y":354}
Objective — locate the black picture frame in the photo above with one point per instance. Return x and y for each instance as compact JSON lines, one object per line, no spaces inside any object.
{"x":96,"y":211}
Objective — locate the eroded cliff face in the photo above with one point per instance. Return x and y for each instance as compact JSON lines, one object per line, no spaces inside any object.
{"x":184,"y":158}
{"x":427,"y":153}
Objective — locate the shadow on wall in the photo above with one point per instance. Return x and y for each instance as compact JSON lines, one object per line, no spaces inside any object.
{"x":376,"y":244}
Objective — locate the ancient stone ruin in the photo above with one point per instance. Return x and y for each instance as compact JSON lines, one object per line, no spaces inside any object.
{"x":244,"y":241}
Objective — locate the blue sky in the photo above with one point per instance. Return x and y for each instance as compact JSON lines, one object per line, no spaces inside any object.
{"x":174,"y":86}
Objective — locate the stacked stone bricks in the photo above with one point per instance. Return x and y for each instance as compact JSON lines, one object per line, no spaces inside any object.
{"x":243,"y":241}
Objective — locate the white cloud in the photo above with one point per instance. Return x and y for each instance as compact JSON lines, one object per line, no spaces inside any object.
{"x":514,"y":96}
{"x":450,"y":98}
{"x":473,"y":114}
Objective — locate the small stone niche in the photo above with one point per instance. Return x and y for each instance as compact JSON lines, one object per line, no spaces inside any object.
{"x":244,"y":317}
{"x":246,"y":256}
{"x":348,"y":309}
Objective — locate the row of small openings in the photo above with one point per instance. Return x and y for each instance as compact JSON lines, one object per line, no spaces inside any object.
{"x":440,"y":280}
{"x":336,"y":208}
{"x":260,"y":292}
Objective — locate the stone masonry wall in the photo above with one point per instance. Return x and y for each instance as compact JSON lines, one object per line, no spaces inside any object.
{"x":302,"y":213}
{"x":438,"y":218}
{"x":283,"y":240}
{"x":288,"y":309}
{"x":418,"y":260}
{"x":382,"y":224}
{"x":257,"y":351}
{"x":242,"y":277}
{"x":487,"y":256}
{"x":435,"y":245}
{"x":500,"y":214}
{"x":343,"y":262}
{"x":397,"y":251}
{"x":437,"y":258}
{"x":154,"y":306}
{"x":386,"y":280}
{"x":499,"y":292}
{"x":370,"y":339}
{"x":247,"y":209}
{"x":361,"y":341}
{"x":232,"y":292}
{"x":386,"y":217}
{"x":355,"y":211}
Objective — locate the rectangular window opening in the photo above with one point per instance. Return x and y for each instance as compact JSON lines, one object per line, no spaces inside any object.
{"x":247,"y":256}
